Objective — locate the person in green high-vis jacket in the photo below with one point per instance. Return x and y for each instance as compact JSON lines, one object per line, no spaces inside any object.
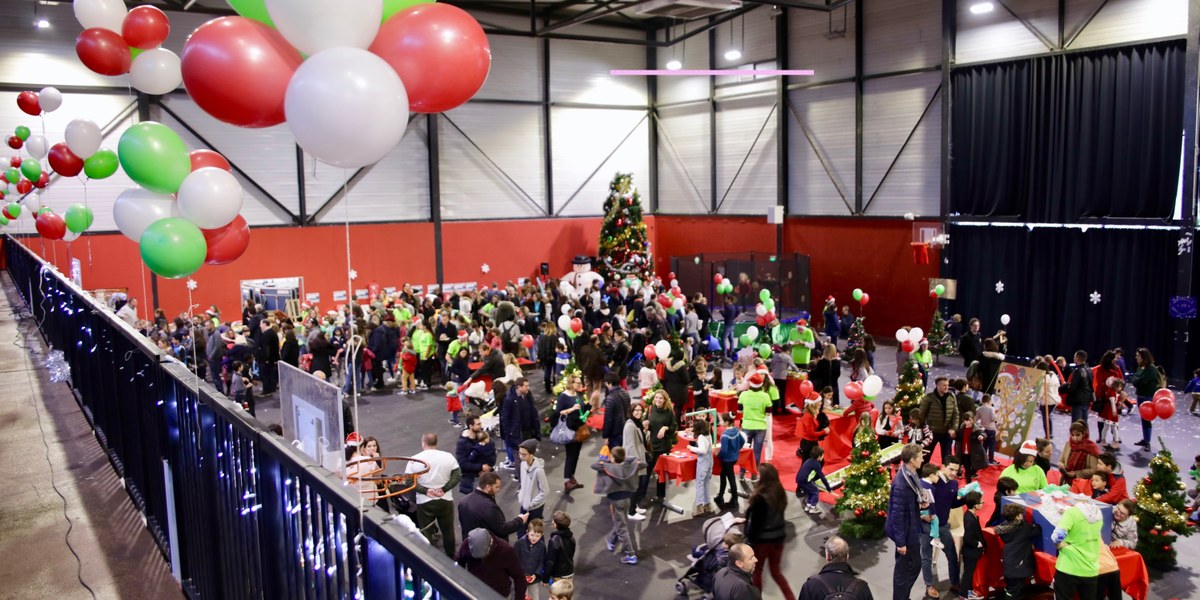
{"x":423,"y":344}
{"x":803,"y":341}
{"x":1078,"y":538}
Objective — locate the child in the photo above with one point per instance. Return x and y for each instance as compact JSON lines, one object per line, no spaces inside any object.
{"x":702,"y":447}
{"x":532,"y":495}
{"x":562,"y":358}
{"x":563,"y":589}
{"x":973,"y":545}
{"x":1045,"y":449}
{"x":701,"y":382}
{"x":647,"y":378}
{"x":453,"y":404}
{"x":731,"y":447}
{"x":459,"y":371}
{"x":930,"y":538}
{"x":1005,"y":486}
{"x":560,"y":550}
{"x":917,"y":433}
{"x":827,"y":402}
{"x":531,"y":551}
{"x":970,"y":447}
{"x":809,"y":429}
{"x":890,"y":425}
{"x":239,"y":385}
{"x":1099,"y":484}
{"x":408,"y":369}
{"x":1124,"y":530}
{"x":1193,"y":388}
{"x":1018,"y":539}
{"x":985,"y":421}
{"x":810,"y":471}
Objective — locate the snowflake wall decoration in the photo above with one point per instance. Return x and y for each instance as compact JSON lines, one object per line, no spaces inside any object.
{"x":1185,"y":244}
{"x":486,"y":268}
{"x":1094,"y":298}
{"x":999,"y":287}
{"x":353,"y":274}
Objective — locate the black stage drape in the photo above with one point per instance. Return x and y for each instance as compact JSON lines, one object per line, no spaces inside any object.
{"x":1049,"y":274}
{"x":1070,"y":136}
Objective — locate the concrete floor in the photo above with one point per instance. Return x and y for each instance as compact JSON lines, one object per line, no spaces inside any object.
{"x":46,"y":443}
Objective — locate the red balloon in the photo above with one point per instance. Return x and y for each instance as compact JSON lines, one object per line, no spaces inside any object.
{"x":907,"y":346}
{"x":15,"y":162}
{"x":63,"y":161}
{"x":865,"y":299}
{"x":576,"y":325}
{"x":1164,"y":393}
{"x":24,"y":186}
{"x":145,"y":27}
{"x":103,"y":51}
{"x":853,"y":390}
{"x":51,"y":226}
{"x":226,"y":244}
{"x":223,"y":55}
{"x":1,"y":195}
{"x":1147,"y":409}
{"x":1163,"y":407}
{"x":15,"y":142}
{"x":769,"y":317}
{"x":6,"y":214}
{"x":933,"y":294}
{"x":649,"y":352}
{"x":671,"y":276}
{"x":664,"y":300}
{"x":718,"y":278}
{"x":208,"y":158}
{"x":527,"y":341}
{"x":806,"y":388}
{"x":440,"y":53}
{"x":28,"y":103}
{"x":760,"y":320}
{"x":42,"y":182}
{"x":675,"y":291}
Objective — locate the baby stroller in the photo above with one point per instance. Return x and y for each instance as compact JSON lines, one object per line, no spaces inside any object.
{"x":707,"y":558}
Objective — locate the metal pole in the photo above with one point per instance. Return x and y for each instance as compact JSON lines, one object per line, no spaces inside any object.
{"x":858,"y":108}
{"x":782,"y":181}
{"x":435,"y":194}
{"x":712,"y":120}
{"x":1183,"y":282}
{"x":652,"y":125}
{"x":949,"y":31}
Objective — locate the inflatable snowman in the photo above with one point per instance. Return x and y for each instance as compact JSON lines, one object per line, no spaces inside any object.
{"x":576,"y":284}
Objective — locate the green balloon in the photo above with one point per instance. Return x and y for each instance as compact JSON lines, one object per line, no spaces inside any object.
{"x":100,"y":165}
{"x":857,"y":294}
{"x":255,"y":9}
{"x":764,"y":295}
{"x":78,"y":218}
{"x":13,"y":209}
{"x":173,"y":247}
{"x":154,"y":157}
{"x":43,"y":210}
{"x":391,"y":7}
{"x":22,"y":132}
{"x":769,"y":304}
{"x":3,"y":220}
{"x":745,"y":340}
{"x":13,"y":174}
{"x":939,"y":289}
{"x":764,"y":350}
{"x":32,"y":169}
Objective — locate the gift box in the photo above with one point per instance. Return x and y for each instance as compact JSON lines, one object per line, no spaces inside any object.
{"x":1045,"y":509}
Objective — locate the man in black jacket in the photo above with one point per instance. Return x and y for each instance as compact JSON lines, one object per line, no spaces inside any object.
{"x":268,"y":354}
{"x":836,"y":576}
{"x":479,"y":509}
{"x":377,"y":343}
{"x":971,"y":345}
{"x":1079,"y":388}
{"x":733,"y":582}
{"x":616,"y":410}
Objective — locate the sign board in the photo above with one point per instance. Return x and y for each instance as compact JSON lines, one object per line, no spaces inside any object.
{"x":340,"y":296}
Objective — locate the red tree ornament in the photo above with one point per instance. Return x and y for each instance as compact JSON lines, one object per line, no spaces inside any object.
{"x":858,"y":512}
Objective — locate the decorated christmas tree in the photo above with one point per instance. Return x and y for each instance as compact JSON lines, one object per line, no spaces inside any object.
{"x":857,"y":331}
{"x":939,"y":340}
{"x":624,"y":249}
{"x":909,"y":390}
{"x":865,"y":491}
{"x":1161,"y":517}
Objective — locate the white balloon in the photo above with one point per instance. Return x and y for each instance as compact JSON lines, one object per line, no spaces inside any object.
{"x":156,"y":72}
{"x":210,"y":197}
{"x":872,"y":385}
{"x":82,"y":137}
{"x":36,"y":145}
{"x":566,"y":309}
{"x":636,"y":284}
{"x":915,"y":334}
{"x":315,"y":25}
{"x":347,"y":107}
{"x":136,"y":209}
{"x":1004,"y":319}
{"x":677,"y":303}
{"x":71,"y":236}
{"x":752,"y":332}
{"x":105,"y":14}
{"x":663,"y":349}
{"x":33,"y":202}
{"x":674,"y":283}
{"x":49,"y":99}
{"x":760,"y":310}
{"x":564,"y":322}
{"x":901,"y":335}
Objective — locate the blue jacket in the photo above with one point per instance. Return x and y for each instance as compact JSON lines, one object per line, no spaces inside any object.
{"x":945,"y":497}
{"x":904,"y":516}
{"x":472,"y":456}
{"x":731,"y":445}
{"x":518,"y":415}
{"x":810,"y":469}
{"x":833,"y":326}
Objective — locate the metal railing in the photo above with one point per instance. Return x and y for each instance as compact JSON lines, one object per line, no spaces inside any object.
{"x":235,"y":510}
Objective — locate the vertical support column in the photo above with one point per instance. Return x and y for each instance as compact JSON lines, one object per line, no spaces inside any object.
{"x":781,"y":124}
{"x":712,"y":118}
{"x":858,"y":107}
{"x":652,"y":107}
{"x":949,"y":32}
{"x":435,"y":194}
{"x":300,"y":194}
{"x":1183,"y":281}
{"x":547,"y":149}
{"x":143,"y":112}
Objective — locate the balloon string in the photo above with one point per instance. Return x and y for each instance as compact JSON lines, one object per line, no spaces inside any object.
{"x":89,"y":236}
{"x":145,"y":298}
{"x":352,"y":369}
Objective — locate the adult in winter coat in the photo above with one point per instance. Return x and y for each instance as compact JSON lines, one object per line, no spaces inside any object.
{"x":635,"y":443}
{"x":547,"y":351}
{"x":836,"y":576}
{"x":733,"y":581}
{"x":616,"y":410}
{"x":472,"y":455}
{"x":676,"y":379}
{"x":570,"y":406}
{"x":1146,"y":381}
{"x":479,"y":509}
{"x":903,"y":522}
{"x":939,"y":412}
{"x":662,"y":433}
{"x":1078,"y":389}
{"x":765,"y":527}
{"x":493,"y":561}
{"x":518,"y":418}
{"x":828,"y":372}
{"x":970,"y":347}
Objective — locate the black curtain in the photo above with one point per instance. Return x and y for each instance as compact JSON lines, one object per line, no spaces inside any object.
{"x":1048,"y":276}
{"x":1069,"y":136}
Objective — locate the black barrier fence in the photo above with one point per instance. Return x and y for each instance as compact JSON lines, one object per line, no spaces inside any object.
{"x":786,"y":276}
{"x":235,"y":510}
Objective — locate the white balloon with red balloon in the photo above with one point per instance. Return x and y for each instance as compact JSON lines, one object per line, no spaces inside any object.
{"x":105,"y":14}
{"x":50,"y":99}
{"x":156,"y":72}
{"x":82,"y":137}
{"x":32,"y":202}
{"x":872,"y":385}
{"x":916,"y":334}
{"x":71,"y":236}
{"x":315,"y":25}
{"x":347,"y":107}
{"x":210,"y":198}
{"x":901,"y":335}
{"x":136,"y":209}
{"x":663,"y":349}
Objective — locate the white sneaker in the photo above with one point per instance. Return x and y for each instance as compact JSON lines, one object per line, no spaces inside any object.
{"x":640,"y":510}
{"x":637,"y":517}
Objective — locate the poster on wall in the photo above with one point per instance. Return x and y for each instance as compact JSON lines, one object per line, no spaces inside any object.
{"x":340,"y":296}
{"x":1015,"y":390}
{"x":360,"y":294}
{"x":418,"y":290}
{"x":312,"y":297}
{"x":389,"y":290}
{"x":77,"y":272}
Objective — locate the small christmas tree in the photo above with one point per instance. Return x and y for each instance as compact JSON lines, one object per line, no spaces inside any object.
{"x":939,"y":340}
{"x":624,"y":250}
{"x":865,"y":491}
{"x":857,"y":331}
{"x":1161,"y":518}
{"x":909,"y":390}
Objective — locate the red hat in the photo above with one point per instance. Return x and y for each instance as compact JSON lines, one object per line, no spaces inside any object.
{"x":803,"y":322}
{"x":1029,"y":447}
{"x":756,"y":380}
{"x":354,"y":439}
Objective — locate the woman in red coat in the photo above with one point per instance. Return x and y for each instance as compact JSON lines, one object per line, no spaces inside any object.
{"x":808,"y":430}
{"x":1108,"y":383}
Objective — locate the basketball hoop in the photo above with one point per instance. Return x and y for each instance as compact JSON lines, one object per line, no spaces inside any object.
{"x":925,"y":236}
{"x":385,"y":485}
{"x":920,"y":252}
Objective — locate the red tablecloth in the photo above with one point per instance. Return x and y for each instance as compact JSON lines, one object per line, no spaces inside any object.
{"x":1135,"y":578}
{"x":682,"y":469}
{"x":840,"y":440}
{"x":724,"y":401}
{"x":791,"y":394}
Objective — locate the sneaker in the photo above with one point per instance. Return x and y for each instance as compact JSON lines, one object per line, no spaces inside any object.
{"x":635,"y":517}
{"x":971,"y":595}
{"x":640,"y":510}
{"x":937,"y":544}
{"x":516,"y":478}
{"x":611,"y":545}
{"x":629,"y":559}
{"x":1142,"y":443}
{"x":507,"y":465}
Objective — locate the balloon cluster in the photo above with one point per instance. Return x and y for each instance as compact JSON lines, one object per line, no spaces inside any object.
{"x":116,"y":41}
{"x":909,"y":338}
{"x":1162,"y":406}
{"x":343,"y":74}
{"x":27,"y":174}
{"x":937,"y":291}
{"x":724,"y":286}
{"x":662,"y":349}
{"x":765,"y":309}
{"x":673,"y":299}
{"x":860,"y":296}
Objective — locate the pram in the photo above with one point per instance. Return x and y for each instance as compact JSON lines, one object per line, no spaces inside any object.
{"x":707,"y":558}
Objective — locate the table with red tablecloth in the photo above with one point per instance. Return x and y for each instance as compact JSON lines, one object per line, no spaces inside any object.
{"x":1135,"y":578}
{"x":724,"y":401}
{"x":840,"y":441}
{"x":680,"y":467}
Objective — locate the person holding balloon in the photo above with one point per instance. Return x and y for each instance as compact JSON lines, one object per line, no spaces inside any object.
{"x":1148,"y":379}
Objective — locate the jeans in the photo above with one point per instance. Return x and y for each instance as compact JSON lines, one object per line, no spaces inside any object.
{"x":944,"y":441}
{"x":1146,"y":427}
{"x":535,"y":513}
{"x":1067,"y":586}
{"x":704,"y":469}
{"x":652,"y":460}
{"x":548,"y":373}
{"x":440,"y":512}
{"x":1079,"y":413}
{"x":727,"y":339}
{"x":467,"y":484}
{"x":772,"y":553}
{"x":619,"y":536}
{"x":812,"y":495}
{"x":758,"y":437}
{"x":727,"y":476}
{"x":989,"y":444}
{"x":969,"y":561}
{"x":926,"y":555}
{"x":906,"y":572}
{"x":950,"y":551}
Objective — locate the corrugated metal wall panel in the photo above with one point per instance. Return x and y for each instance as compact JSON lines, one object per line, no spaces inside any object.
{"x":1127,"y":21}
{"x":995,"y":36}
{"x":516,"y":69}
{"x":693,"y":53}
{"x":892,"y":107}
{"x":582,"y":141}
{"x":511,"y":137}
{"x":809,"y":47}
{"x":579,"y":72}
{"x":747,"y":155}
{"x":683,"y":160}
{"x":393,"y":189}
{"x":902,"y":35}
{"x":828,"y":113}
{"x":753,"y":33}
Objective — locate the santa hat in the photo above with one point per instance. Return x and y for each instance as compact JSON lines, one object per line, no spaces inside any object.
{"x":462,"y":333}
{"x":802,"y":323}
{"x":354,"y":440}
{"x":755,"y":380}
{"x":1029,"y":447}
{"x":924,"y":342}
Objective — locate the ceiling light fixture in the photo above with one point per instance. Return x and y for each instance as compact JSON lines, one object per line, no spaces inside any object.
{"x":674,"y":65}
{"x":42,"y":24}
{"x":982,"y":8}
{"x":733,"y":53}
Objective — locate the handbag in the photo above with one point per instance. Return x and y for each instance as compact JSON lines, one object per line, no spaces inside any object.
{"x":561,"y":434}
{"x":582,"y":434}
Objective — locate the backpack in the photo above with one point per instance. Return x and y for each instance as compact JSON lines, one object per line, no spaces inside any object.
{"x":848,"y":593}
